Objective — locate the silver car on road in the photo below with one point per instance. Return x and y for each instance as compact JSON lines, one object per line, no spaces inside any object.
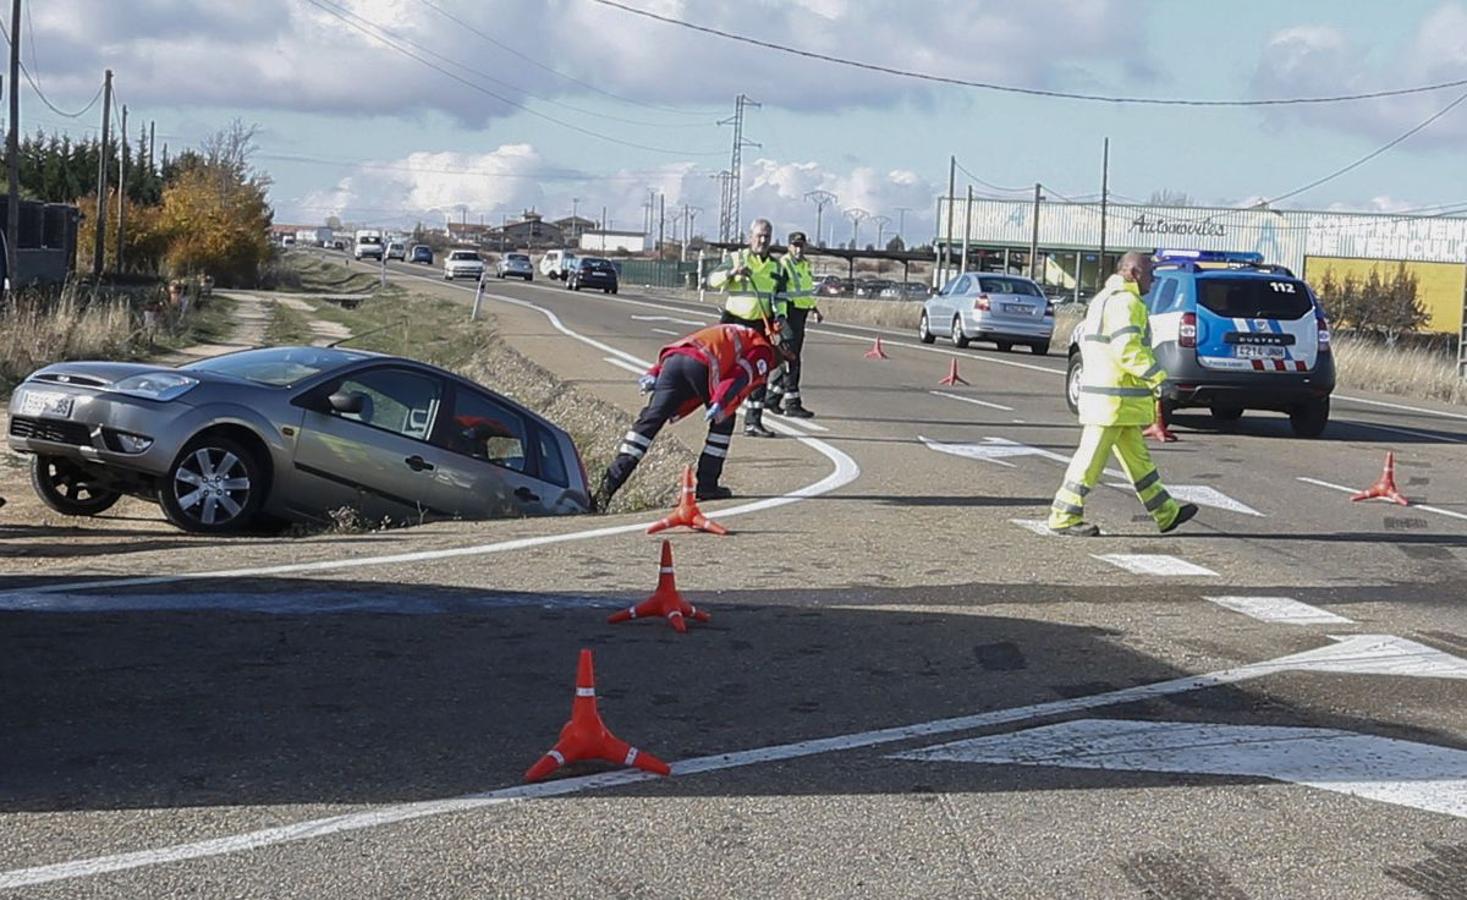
{"x":985,"y":306}
{"x":289,"y":433}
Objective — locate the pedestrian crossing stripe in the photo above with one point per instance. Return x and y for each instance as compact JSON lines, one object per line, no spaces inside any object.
{"x":1157,"y":564}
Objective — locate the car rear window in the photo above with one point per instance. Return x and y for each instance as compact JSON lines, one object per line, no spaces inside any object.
{"x":463,"y":254}
{"x":1255,"y":298}
{"x":1009,"y":286}
{"x":599,"y":265}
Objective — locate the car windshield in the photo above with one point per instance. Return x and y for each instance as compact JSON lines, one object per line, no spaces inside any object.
{"x":369,"y":240}
{"x":276,"y":366}
{"x":1008,"y":286}
{"x":518,"y":257}
{"x":464,"y":254}
{"x":1255,"y":298}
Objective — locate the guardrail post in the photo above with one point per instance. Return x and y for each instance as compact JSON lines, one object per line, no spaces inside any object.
{"x":478,"y":300}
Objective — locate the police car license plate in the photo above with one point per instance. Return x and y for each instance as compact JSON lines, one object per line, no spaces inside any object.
{"x":45,"y":403}
{"x":1256,"y":351}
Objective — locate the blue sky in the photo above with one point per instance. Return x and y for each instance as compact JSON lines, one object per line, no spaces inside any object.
{"x":322,"y":90}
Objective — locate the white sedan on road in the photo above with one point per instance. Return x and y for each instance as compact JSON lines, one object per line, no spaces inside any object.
{"x":463,"y":264}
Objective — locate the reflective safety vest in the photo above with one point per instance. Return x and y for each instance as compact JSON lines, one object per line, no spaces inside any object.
{"x":752,"y":298}
{"x":739,"y":359}
{"x":799,"y":284}
{"x":1121,"y":375}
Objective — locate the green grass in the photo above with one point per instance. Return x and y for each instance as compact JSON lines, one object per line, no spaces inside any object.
{"x":302,"y":271}
{"x":288,"y":326}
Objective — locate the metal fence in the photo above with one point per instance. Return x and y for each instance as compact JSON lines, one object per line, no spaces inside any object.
{"x":663,"y":274}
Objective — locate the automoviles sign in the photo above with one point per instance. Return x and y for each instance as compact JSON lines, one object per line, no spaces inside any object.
{"x":1144,"y":224}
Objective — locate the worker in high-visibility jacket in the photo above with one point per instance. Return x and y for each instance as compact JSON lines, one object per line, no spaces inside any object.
{"x":799,"y":304}
{"x":753,"y":280}
{"x":718,"y":367}
{"x":1119,"y":384}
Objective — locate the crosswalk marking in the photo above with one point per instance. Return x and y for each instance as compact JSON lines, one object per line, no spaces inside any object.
{"x":1280,"y":609}
{"x":1158,"y":564}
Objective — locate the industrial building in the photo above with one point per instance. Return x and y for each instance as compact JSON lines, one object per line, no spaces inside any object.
{"x":1069,"y":237}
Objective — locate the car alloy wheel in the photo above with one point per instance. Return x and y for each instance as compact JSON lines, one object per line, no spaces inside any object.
{"x":959,"y":339}
{"x":214,"y":485}
{"x":924,"y":331}
{"x":68,"y":488}
{"x":1072,"y":383}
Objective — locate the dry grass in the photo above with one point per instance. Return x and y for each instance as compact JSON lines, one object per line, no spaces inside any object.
{"x":36,"y":331}
{"x":1407,"y":371}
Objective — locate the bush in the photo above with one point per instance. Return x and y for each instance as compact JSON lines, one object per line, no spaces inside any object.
{"x":1386,"y":306}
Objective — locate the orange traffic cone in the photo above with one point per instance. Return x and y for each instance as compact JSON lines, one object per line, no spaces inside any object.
{"x":876,"y":352}
{"x":665,"y":602}
{"x":687,"y":514}
{"x":1158,"y":430}
{"x":585,"y":736}
{"x":1385,"y":488}
{"x":952,"y":374}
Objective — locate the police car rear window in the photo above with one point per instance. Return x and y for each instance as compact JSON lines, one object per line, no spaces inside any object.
{"x":1254,"y":298}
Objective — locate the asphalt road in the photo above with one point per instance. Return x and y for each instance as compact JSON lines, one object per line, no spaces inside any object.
{"x":902,"y":691}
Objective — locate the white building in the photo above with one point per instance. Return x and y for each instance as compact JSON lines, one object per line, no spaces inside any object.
{"x":604,"y":241}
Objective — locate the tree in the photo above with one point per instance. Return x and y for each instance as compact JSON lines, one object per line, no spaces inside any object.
{"x":896,"y":245}
{"x":1168,"y":197}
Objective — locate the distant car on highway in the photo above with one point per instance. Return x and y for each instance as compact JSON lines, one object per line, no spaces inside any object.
{"x":463,"y":264}
{"x":593,"y":272}
{"x":396,"y":250}
{"x":338,"y":244}
{"x":421,"y":253}
{"x":828,"y":286}
{"x":978,"y":306}
{"x":289,"y":433}
{"x":515,"y":265}
{"x":367,"y":245}
{"x":904,"y":290}
{"x":871,"y":288}
{"x":557,"y":263}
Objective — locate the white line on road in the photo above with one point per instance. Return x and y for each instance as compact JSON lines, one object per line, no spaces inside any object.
{"x":667,"y":332}
{"x":972,"y":400}
{"x":1409,"y":432}
{"x":1158,"y":564}
{"x":1421,"y":506}
{"x":1386,"y":405}
{"x":1038,"y":526}
{"x":800,"y":423}
{"x":1361,"y":654}
{"x":623,"y":364}
{"x":1280,"y":609}
{"x":669,"y":319}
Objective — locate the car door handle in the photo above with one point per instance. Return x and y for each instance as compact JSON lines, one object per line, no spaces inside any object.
{"x":527,"y":495}
{"x":418,"y":464}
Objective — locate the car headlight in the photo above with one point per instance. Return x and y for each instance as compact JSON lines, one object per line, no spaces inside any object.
{"x":156,"y":385}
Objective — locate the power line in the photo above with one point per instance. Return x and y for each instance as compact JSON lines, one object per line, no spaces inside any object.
{"x":324,"y":7}
{"x":991,"y":186}
{"x":36,"y":88}
{"x":554,"y":71}
{"x":1032,"y":92}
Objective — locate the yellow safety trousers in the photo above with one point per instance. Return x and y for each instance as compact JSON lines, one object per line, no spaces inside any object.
{"x":1088,"y":464}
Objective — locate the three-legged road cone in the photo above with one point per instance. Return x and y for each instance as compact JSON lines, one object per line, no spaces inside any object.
{"x":585,"y":736}
{"x":952,"y":374}
{"x":1158,"y":430}
{"x":876,"y":351}
{"x":665,"y":602}
{"x":1385,"y":488}
{"x":687,"y":514}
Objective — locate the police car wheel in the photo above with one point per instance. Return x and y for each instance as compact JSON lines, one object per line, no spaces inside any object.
{"x":924,"y":332}
{"x":1310,"y":418}
{"x":1041,"y":349}
{"x":1227,"y":413}
{"x":1072,"y":383}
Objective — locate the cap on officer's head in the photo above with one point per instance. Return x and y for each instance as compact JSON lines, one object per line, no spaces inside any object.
{"x":796,"y":237}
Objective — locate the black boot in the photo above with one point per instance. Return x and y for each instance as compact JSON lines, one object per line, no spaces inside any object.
{"x":754,"y":424}
{"x":796,"y":410}
{"x":713,"y":492}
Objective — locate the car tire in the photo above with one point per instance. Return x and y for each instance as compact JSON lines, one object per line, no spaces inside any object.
{"x":615,"y":289}
{"x":1073,"y":374}
{"x":924,"y":331}
{"x":960,"y":339}
{"x":1040,"y":349}
{"x":1003,"y":346}
{"x":185,"y":492}
{"x":606,"y":290}
{"x":1226,"y":414}
{"x":1310,"y":418}
{"x":500,"y":276}
{"x":59,"y":483}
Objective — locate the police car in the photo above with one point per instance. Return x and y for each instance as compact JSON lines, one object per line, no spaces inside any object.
{"x":1235,"y":334}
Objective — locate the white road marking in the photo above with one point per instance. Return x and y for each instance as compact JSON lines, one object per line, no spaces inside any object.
{"x":1038,"y":526}
{"x":799,"y":423}
{"x":623,"y":364}
{"x":1387,"y":770}
{"x":1409,"y":432}
{"x":675,"y":321}
{"x":1280,"y":609}
{"x":1361,"y":654}
{"x":972,"y":400}
{"x":667,"y":332}
{"x":1421,"y":506}
{"x":1203,"y":495}
{"x":1398,"y":406}
{"x":1158,"y":564}
{"x":846,"y":471}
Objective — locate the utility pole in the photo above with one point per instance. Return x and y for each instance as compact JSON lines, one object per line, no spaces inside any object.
{"x":603,"y":219}
{"x":687,"y":233}
{"x":729,"y":226}
{"x":857,"y":216}
{"x":952,"y":186}
{"x":100,"y":243}
{"x":821,"y":199}
{"x":1100,"y":273}
{"x":902,"y":223}
{"x":880,"y":222}
{"x":1034,"y":241}
{"x":152,"y":136}
{"x":661,"y":222}
{"x":967,"y":230}
{"x":12,"y":153}
{"x":121,"y":187}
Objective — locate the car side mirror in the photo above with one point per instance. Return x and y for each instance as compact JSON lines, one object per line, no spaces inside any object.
{"x":347,"y":402}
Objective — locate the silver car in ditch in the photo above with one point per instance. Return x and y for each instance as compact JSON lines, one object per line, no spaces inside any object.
{"x":289,"y":434}
{"x":985,"y":306}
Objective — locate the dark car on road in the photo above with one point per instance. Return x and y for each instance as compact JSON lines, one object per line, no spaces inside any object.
{"x":592,"y":272}
{"x":289,"y":434}
{"x":421,"y":253}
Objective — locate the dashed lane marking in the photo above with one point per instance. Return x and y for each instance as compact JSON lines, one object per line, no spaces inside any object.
{"x":623,"y":364}
{"x":667,"y":331}
{"x":1377,"y":654}
{"x":1421,"y":506}
{"x":1285,"y":610}
{"x":972,"y":400}
{"x":1157,"y":564}
{"x":675,"y":321}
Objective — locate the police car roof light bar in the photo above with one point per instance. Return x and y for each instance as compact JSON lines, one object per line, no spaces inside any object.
{"x":1213,"y":256}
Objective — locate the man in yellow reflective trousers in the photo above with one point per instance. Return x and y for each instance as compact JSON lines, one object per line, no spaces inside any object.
{"x":1118,"y":388}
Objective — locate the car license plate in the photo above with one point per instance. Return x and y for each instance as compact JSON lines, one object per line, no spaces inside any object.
{"x":45,"y":403}
{"x":1256,"y":351}
{"x":1016,"y":308}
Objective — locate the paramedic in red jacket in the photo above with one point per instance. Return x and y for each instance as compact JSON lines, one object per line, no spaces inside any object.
{"x":717,"y":367}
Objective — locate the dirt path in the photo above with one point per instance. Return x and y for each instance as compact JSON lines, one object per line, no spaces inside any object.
{"x":251,"y":318}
